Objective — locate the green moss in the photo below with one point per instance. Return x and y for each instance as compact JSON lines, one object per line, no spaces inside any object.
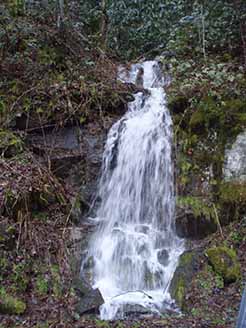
{"x":10,"y":144}
{"x":42,"y":285}
{"x":19,"y":277}
{"x":101,"y":324}
{"x":10,"y":304}
{"x":224,"y":262}
{"x":179,"y":292}
{"x":182,"y":277}
{"x":56,"y":281}
{"x":233,"y":192}
{"x":197,"y":121}
{"x":198,"y":207}
{"x":186,"y":258}
{"x":232,"y":199}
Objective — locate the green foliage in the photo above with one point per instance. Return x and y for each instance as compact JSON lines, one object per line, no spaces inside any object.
{"x":10,"y":304}
{"x":138,"y":27}
{"x":42,"y":285}
{"x":17,"y":7}
{"x":56,"y":281}
{"x":19,"y":277}
{"x":233,"y":193}
{"x":102,"y":324}
{"x":10,"y":143}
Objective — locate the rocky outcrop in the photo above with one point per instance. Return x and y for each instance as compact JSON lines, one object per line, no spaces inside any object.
{"x":194,"y":218}
{"x":235,"y":160}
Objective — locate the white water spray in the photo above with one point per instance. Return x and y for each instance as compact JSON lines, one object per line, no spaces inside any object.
{"x":135,"y":249}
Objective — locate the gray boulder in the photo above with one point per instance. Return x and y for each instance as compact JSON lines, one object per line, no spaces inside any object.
{"x":235,"y":160}
{"x":89,"y":299}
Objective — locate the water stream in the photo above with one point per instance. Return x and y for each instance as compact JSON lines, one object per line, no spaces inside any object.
{"x":135,"y":249}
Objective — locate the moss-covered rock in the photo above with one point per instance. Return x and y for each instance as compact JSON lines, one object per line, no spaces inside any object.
{"x":183,"y":276}
{"x":10,"y":304}
{"x":224,"y":262}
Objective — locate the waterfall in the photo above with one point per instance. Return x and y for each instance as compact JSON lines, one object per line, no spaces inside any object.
{"x":135,"y":249}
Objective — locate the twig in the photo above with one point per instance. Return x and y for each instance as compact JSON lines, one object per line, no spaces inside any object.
{"x":218,"y":221}
{"x":68,"y":217}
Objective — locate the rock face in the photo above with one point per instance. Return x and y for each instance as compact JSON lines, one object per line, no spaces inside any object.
{"x":224,"y":262}
{"x":235,"y":160}
{"x":187,"y":267}
{"x":190,"y":227}
{"x":74,"y":154}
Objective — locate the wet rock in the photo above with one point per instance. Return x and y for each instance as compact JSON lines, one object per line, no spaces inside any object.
{"x":163,"y":257}
{"x":192,"y":226}
{"x":143,"y":250}
{"x":134,"y":309}
{"x":142,"y":228}
{"x":188,"y":265}
{"x":79,"y":208}
{"x":87,"y":270}
{"x":78,"y":244}
{"x":89,"y":299}
{"x":235,"y":160}
{"x":224,"y":262}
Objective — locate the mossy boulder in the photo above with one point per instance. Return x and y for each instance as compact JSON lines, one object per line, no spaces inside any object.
{"x":184,"y":272}
{"x":224,"y":262}
{"x":10,"y":304}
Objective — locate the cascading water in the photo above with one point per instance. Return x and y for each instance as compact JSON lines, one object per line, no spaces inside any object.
{"x":135,"y":249}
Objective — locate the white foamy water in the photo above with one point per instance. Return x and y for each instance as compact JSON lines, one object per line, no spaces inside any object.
{"x":135,"y":249}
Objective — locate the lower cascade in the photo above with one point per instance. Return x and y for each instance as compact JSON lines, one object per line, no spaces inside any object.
{"x":135,"y":249}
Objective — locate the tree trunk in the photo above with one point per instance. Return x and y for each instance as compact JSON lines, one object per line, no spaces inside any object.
{"x":60,"y":13}
{"x":104,"y":24}
{"x":238,"y":5}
